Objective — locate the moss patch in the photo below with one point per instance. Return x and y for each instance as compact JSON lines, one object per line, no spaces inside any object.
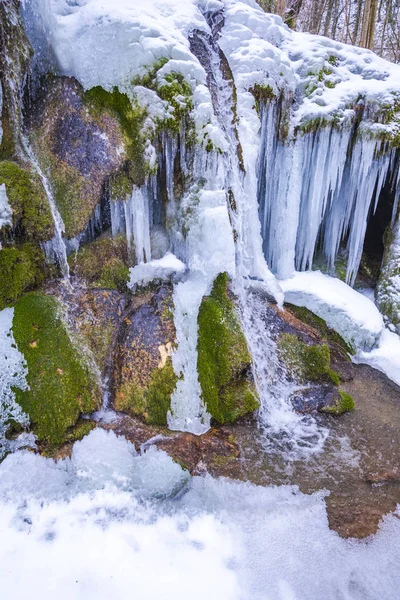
{"x":21,"y":269}
{"x":103,"y":263}
{"x":262,"y":95}
{"x":61,"y":386}
{"x":223,"y":357}
{"x":307,"y":363}
{"x":32,"y":219}
{"x":308,"y":317}
{"x":153,"y":402}
{"x":131,"y":118}
{"x":343,"y":404}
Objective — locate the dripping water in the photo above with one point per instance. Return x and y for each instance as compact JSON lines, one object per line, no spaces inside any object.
{"x":55,"y":249}
{"x":281,"y":426}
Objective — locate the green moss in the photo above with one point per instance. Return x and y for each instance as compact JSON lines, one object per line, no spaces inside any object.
{"x":176,"y":91}
{"x":333,"y":60}
{"x":307,"y":363}
{"x":79,"y":431}
{"x":223,"y":357}
{"x":103,"y":263}
{"x":330,"y":84}
{"x":120,"y":186}
{"x":343,"y":404}
{"x":32,"y":219}
{"x":262,"y":95}
{"x":153,"y":402}
{"x":61,"y":386}
{"x":21,"y":269}
{"x":308,"y":317}
{"x":131,"y":117}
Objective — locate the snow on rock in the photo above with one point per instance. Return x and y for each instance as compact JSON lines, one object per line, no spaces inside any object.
{"x":386,"y":357}
{"x":158,"y":269}
{"x":109,"y":44}
{"x":5,"y":208}
{"x":13,"y":373}
{"x":348,"y":312}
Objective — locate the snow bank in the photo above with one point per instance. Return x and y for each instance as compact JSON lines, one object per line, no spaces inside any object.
{"x":348,"y":312}
{"x":5,"y":208}
{"x":103,"y":538}
{"x":386,"y":357}
{"x":13,"y":373}
{"x":160,"y":269}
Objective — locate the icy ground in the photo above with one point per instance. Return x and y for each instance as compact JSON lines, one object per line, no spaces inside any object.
{"x":113,"y":524}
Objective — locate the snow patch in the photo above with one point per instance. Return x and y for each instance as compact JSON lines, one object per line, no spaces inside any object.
{"x":348,"y":312}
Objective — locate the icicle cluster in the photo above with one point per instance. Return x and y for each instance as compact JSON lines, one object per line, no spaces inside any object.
{"x":316,"y":192}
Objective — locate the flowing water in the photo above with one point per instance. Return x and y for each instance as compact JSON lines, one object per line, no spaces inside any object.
{"x":55,"y":249}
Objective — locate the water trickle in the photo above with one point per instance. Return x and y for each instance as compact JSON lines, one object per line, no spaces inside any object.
{"x":55,"y":250}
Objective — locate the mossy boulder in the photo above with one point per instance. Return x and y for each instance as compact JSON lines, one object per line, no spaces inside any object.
{"x":306,"y":362}
{"x":388,"y":288}
{"x":77,"y":148}
{"x":343,"y":403}
{"x":224,"y":360}
{"x":31,"y":215}
{"x":61,"y":385}
{"x":103,"y":263}
{"x":22,"y":268}
{"x":144,"y":378}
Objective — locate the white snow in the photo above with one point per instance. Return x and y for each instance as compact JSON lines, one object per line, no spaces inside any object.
{"x":160,"y":269}
{"x":109,"y":524}
{"x":13,"y":373}
{"x":386,"y":357}
{"x":351,"y":314}
{"x":5,"y":208}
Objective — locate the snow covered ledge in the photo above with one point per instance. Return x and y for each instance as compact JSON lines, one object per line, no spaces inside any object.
{"x":352,"y":315}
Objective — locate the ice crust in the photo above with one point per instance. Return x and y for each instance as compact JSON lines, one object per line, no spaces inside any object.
{"x":345,"y":310}
{"x":105,"y":522}
{"x":161,"y":269}
{"x":13,"y":373}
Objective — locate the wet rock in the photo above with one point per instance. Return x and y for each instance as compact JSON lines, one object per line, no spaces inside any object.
{"x":143,"y":378}
{"x":215,"y":452}
{"x":95,"y":315}
{"x":78,"y":148}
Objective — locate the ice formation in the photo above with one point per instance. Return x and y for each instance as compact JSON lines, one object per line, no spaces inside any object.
{"x":345,"y":310}
{"x":13,"y":373}
{"x":5,"y":208}
{"x":292,"y":151}
{"x":114,"y":518}
{"x":161,"y":269}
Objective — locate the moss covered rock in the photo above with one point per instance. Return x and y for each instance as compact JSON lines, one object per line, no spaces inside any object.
{"x":144,"y":378}
{"x":61,"y":386}
{"x":304,"y":362}
{"x":22,"y":268}
{"x":78,"y":147}
{"x":31,"y":218}
{"x":103,"y":263}
{"x":342,"y":403}
{"x":224,"y":361}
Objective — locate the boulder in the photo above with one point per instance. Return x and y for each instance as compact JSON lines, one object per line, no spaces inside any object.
{"x":144,"y":378}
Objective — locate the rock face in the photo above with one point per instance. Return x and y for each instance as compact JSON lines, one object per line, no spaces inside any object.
{"x":78,"y":147}
{"x":388,"y":289}
{"x":15,"y":54}
{"x":144,"y":378}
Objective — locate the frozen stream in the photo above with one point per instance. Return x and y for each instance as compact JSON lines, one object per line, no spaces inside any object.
{"x":112,"y":524}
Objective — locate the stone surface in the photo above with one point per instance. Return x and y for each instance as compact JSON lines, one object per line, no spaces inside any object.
{"x":78,"y":149}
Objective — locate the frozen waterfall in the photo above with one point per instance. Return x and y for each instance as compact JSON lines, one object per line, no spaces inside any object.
{"x":315,"y":193}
